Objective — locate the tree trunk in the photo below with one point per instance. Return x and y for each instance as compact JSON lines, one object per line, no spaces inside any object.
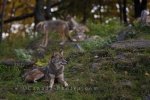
{"x":125,"y":11}
{"x":143,"y":5}
{"x":48,"y":9}
{"x":85,"y":16}
{"x":1,"y":18}
{"x":39,"y":11}
{"x":139,"y":6}
{"x":100,"y":13}
{"x":120,"y":10}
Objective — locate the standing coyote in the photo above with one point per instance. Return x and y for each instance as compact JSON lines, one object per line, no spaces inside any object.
{"x":57,"y":26}
{"x":54,"y":70}
{"x":61,"y":27}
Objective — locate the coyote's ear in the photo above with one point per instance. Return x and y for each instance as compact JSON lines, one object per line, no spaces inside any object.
{"x":54,"y":54}
{"x":74,"y":17}
{"x":62,"y":52}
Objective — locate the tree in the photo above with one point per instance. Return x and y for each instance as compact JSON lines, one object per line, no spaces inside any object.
{"x":39,"y":11}
{"x":85,"y":13}
{"x":48,"y":9}
{"x":139,"y":6}
{"x":1,"y":18}
{"x":122,"y":9}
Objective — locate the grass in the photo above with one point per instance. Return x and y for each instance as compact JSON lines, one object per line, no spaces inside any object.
{"x":8,"y":45}
{"x":110,"y":79}
{"x":104,"y":30}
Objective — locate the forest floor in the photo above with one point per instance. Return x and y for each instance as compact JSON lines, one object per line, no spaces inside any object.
{"x":106,"y":70}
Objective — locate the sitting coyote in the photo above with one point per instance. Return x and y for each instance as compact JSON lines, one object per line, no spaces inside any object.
{"x":54,"y":70}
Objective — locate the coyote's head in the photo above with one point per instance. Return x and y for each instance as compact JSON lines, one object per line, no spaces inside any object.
{"x":58,"y":60}
{"x":81,"y":29}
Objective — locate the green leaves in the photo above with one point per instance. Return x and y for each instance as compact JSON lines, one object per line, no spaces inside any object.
{"x":23,"y":54}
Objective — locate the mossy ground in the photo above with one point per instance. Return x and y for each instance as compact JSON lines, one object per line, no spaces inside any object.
{"x":100,"y":73}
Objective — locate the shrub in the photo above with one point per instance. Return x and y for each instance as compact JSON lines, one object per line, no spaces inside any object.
{"x":23,"y":55}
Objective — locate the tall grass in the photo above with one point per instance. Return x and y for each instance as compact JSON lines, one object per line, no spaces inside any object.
{"x":104,"y":29}
{"x":8,"y":45}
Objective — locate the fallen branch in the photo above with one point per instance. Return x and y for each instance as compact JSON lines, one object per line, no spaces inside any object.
{"x":19,"y":17}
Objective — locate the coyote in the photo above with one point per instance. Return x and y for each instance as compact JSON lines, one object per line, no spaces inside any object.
{"x":64,"y":28}
{"x":58,"y":26}
{"x":54,"y":70}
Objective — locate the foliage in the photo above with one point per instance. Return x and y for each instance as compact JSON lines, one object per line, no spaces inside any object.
{"x":98,"y":43}
{"x":112,"y":27}
{"x":12,"y":43}
{"x":23,"y":54}
{"x":106,"y":34}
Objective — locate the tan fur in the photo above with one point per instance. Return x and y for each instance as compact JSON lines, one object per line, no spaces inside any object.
{"x":33,"y":75}
{"x":58,"y":26}
{"x":78,"y":28}
{"x":54,"y":70}
{"x":61,"y":27}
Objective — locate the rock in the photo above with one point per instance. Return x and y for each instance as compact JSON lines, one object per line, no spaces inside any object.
{"x":130,"y":44}
{"x":147,"y":97}
{"x":95,"y":66}
{"x":95,"y":37}
{"x":79,"y":48}
{"x":126,"y":83}
{"x":123,"y":33}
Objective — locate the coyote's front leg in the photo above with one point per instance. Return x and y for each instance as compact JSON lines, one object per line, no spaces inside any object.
{"x":45,"y":40}
{"x":62,"y":81}
{"x":51,"y":81}
{"x":63,"y":39}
